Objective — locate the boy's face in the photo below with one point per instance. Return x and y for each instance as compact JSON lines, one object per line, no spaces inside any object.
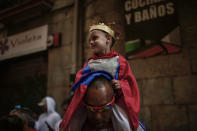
{"x":99,"y":42}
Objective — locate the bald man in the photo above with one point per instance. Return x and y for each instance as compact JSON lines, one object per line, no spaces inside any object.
{"x":99,"y":100}
{"x":93,"y":107}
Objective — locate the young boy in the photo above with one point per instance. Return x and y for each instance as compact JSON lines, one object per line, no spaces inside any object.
{"x":101,"y":39}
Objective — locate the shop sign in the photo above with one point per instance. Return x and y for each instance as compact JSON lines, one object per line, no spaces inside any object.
{"x":28,"y":42}
{"x":151,"y":28}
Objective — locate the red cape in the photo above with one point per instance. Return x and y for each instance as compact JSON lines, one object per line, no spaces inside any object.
{"x":130,"y":100}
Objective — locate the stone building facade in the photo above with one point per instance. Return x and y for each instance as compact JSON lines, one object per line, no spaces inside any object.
{"x":167,"y":83}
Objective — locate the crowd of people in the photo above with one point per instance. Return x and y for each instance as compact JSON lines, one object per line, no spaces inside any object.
{"x":24,"y":119}
{"x":106,"y":95}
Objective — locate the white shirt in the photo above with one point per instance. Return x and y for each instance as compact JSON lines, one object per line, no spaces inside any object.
{"x":51,"y":116}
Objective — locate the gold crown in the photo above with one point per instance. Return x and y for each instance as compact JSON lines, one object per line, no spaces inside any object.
{"x":103,"y":27}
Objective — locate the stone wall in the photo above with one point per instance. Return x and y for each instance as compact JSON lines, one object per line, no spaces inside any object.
{"x":167,"y":83}
{"x":59,"y":59}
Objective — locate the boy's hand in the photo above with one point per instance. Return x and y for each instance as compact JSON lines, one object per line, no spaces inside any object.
{"x":116,"y":84}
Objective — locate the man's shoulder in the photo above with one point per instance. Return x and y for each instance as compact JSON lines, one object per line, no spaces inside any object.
{"x":43,"y":115}
{"x":54,"y":117}
{"x":55,"y":114}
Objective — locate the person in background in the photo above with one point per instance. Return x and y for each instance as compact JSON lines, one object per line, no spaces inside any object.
{"x":27,"y":117}
{"x":11,"y":123}
{"x":48,"y":119}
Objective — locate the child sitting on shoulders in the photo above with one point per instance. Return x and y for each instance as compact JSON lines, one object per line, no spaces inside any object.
{"x":101,"y":39}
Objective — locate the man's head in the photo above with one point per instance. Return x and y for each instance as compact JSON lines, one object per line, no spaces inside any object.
{"x":47,"y":104}
{"x":99,"y":99}
{"x":11,"y":123}
{"x":26,"y":115}
{"x":101,"y":39}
